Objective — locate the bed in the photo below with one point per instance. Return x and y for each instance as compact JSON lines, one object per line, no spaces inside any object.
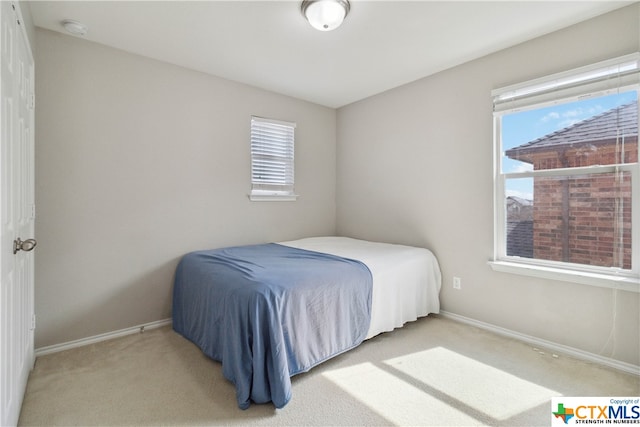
{"x":268,"y":312}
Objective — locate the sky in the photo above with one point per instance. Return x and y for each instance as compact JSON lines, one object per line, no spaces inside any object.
{"x":522,"y":127}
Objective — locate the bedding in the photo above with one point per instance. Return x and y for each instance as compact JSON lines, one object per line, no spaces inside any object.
{"x":268,"y":312}
{"x":406,"y":279}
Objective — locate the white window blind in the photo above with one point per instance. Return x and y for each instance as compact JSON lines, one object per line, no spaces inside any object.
{"x":598,"y":79}
{"x":272,"y":159}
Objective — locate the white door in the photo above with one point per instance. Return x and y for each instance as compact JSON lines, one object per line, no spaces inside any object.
{"x":17,"y":211}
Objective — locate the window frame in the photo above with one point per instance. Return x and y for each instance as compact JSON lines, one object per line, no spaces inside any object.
{"x":261,"y":192}
{"x":555,"y":89}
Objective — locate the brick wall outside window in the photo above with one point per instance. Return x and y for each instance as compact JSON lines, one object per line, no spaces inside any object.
{"x":582,"y":219}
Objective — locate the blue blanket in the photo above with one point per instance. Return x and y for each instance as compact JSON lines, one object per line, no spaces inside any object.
{"x":268,"y":312}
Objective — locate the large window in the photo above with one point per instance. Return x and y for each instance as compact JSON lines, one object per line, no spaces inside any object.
{"x":272,"y":159}
{"x":566,"y":175}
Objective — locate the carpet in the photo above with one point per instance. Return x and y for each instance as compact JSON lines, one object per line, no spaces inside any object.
{"x":434,"y":371}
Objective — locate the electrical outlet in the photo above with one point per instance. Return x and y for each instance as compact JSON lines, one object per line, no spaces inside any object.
{"x":457,"y":283}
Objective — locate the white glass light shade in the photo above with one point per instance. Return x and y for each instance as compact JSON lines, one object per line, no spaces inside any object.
{"x":325,"y":15}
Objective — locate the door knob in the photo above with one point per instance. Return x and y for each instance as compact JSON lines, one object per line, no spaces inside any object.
{"x":27,"y":245}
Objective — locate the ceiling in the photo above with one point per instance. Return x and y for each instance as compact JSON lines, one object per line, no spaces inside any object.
{"x":268,"y":44}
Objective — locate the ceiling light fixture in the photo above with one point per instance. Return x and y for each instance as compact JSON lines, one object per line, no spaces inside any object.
{"x":74,"y":27}
{"x":325,"y":15}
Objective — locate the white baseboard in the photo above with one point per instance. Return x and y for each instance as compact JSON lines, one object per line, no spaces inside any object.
{"x":550,"y":346}
{"x":102,"y":337}
{"x":537,"y":342}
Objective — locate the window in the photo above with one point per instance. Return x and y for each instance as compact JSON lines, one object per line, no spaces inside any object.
{"x":272,"y":160}
{"x":566,"y":175}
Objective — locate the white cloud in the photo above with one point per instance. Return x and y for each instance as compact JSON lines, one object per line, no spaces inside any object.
{"x":561,"y":120}
{"x":566,"y":123}
{"x":521,"y":167}
{"x":573,"y":113}
{"x":551,"y":116}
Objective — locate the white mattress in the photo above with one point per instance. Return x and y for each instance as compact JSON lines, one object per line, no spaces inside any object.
{"x":406,"y":279}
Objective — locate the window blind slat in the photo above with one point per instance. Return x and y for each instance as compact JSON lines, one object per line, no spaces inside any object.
{"x":596,"y":79}
{"x":272,"y":156}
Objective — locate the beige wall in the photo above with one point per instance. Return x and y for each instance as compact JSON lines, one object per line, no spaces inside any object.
{"x":139,"y":162}
{"x":415,"y":167}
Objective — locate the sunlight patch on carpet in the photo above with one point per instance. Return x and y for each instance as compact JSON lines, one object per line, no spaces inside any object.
{"x":394,"y":399}
{"x":486,"y":389}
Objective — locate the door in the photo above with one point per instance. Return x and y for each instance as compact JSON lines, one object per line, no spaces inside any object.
{"x":17,"y":211}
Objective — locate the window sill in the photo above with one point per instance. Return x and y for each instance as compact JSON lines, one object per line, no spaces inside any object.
{"x":273,"y":197}
{"x":613,"y":281}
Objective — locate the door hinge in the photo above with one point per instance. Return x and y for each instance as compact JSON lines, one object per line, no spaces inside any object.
{"x":33,"y":322}
{"x":32,"y":101}
{"x":33,"y":211}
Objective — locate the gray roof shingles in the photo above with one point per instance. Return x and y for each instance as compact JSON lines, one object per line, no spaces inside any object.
{"x":597,"y":129}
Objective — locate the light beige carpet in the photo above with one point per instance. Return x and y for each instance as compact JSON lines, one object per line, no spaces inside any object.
{"x":431,"y":372}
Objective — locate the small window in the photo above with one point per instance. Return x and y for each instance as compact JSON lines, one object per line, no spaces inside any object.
{"x":272,"y":160}
{"x":566,"y":179}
